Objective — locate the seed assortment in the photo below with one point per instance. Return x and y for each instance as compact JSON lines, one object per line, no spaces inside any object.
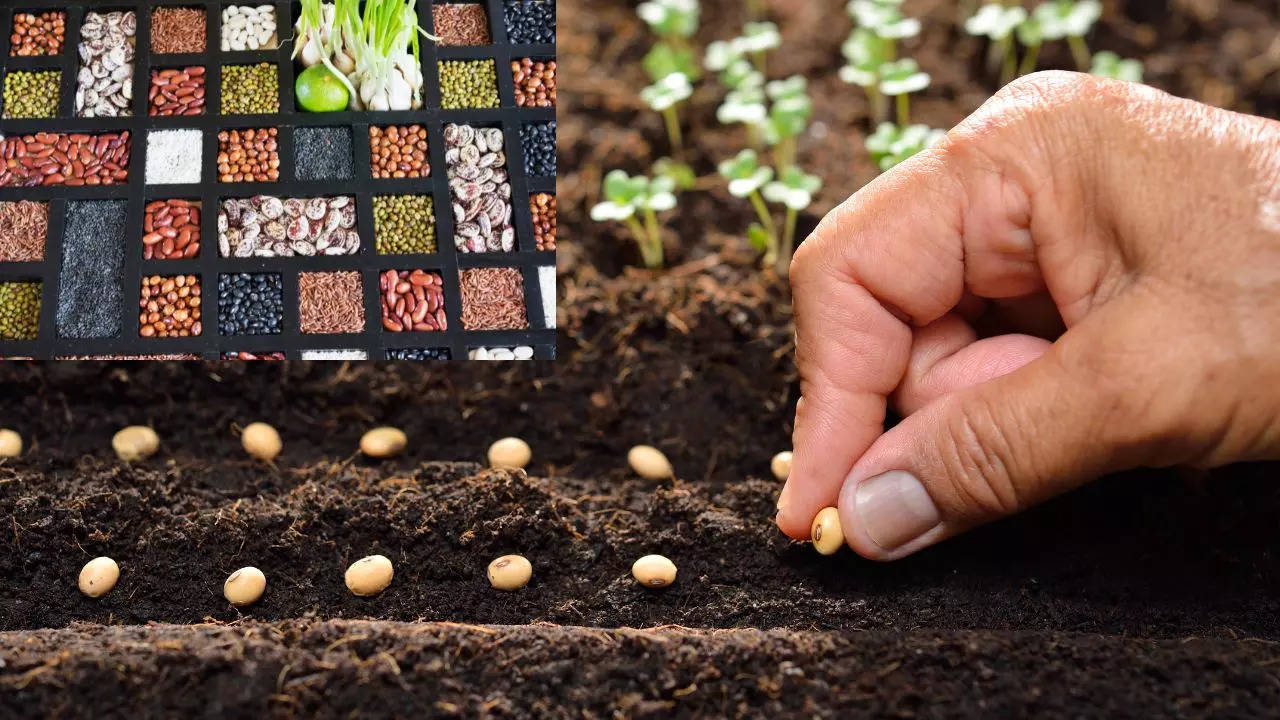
{"x":292,"y":249}
{"x":398,"y":151}
{"x":535,"y":82}
{"x":493,"y":299}
{"x":106,"y":64}
{"x":250,"y":304}
{"x":24,"y":227}
{"x":246,"y":27}
{"x":61,"y":159}
{"x":248,"y":155}
{"x":38,"y":34}
{"x":530,"y":22}
{"x":542,"y":207}
{"x":539,"y":145}
{"x":19,"y":310}
{"x":460,"y":24}
{"x":330,"y":302}
{"x":32,"y":94}
{"x":268,"y":226}
{"x":404,"y":224}
{"x":250,"y":89}
{"x":170,"y":306}
{"x":176,"y":91}
{"x":177,"y":30}
{"x":480,"y":188}
{"x":468,"y":84}
{"x":412,"y":301}
{"x":172,"y":230}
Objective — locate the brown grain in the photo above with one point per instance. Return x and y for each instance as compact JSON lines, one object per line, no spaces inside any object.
{"x":493,"y":299}
{"x":24,"y":227}
{"x":460,"y":24}
{"x":330,"y":302}
{"x":177,"y":30}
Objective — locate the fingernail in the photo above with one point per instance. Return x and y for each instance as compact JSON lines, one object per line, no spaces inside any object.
{"x":894,"y":509}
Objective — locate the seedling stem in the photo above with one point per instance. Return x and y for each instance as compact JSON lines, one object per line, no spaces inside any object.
{"x":1010,"y":66}
{"x":652,"y":250}
{"x":762,"y":211}
{"x":672,"y":120}
{"x":904,"y":108}
{"x":788,"y":242}
{"x":1029,"y":60}
{"x":1080,"y":51}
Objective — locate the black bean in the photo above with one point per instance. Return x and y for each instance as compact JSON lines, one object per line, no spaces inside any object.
{"x":539,"y":144}
{"x":418,"y":354}
{"x":530,"y":22}
{"x":250,"y":304}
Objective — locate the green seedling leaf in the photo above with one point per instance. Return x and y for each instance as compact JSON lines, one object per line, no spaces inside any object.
{"x":758,"y":237}
{"x":744,"y":105}
{"x":667,"y":92}
{"x":883,"y":17}
{"x":1031,"y":32}
{"x":670,"y":18}
{"x":682,"y":176}
{"x":664,"y":59}
{"x":744,"y":173}
{"x":793,"y":87}
{"x":759,"y":37}
{"x":722,"y":54}
{"x":1067,"y":18}
{"x":890,"y":145}
{"x":866,"y":54}
{"x":794,"y":188}
{"x":1109,"y":64}
{"x":742,"y":75}
{"x":902,"y":77}
{"x":995,"y":21}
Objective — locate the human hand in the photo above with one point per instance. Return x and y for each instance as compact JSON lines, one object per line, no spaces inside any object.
{"x":1146,"y":225}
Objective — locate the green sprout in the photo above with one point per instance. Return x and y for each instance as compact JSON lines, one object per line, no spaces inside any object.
{"x":866,"y":54}
{"x":758,"y":38}
{"x":794,"y":189}
{"x":722,"y":54}
{"x":890,"y":144}
{"x":625,"y":196}
{"x":1031,"y":35}
{"x":1070,"y":19}
{"x":900,"y":78}
{"x":746,"y":177}
{"x":997,"y":23}
{"x":788,"y":117}
{"x":680,"y":174}
{"x":674,"y":22}
{"x":664,"y":96}
{"x":884,"y":17}
{"x":1109,"y":64}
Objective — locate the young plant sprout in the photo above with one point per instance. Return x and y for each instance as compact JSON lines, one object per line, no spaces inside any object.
{"x":625,"y":196}
{"x":758,"y":38}
{"x":664,"y":96}
{"x":794,"y":189}
{"x":866,"y":54}
{"x":1109,"y":64}
{"x":1031,"y":36}
{"x":745,"y":102}
{"x":900,"y":78}
{"x":683,"y":176}
{"x":674,"y":22}
{"x":746,"y":177}
{"x":788,"y":117}
{"x":884,"y":18}
{"x":1070,"y":19}
{"x":997,"y":23}
{"x":891,"y":144}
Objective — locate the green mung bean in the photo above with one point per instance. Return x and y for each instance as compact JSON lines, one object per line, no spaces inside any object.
{"x":19,"y":310}
{"x":250,"y":89}
{"x":31,"y":94}
{"x":404,"y":224}
{"x":468,"y":84}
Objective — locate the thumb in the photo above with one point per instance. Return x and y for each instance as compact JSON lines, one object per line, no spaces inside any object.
{"x":993,"y":449}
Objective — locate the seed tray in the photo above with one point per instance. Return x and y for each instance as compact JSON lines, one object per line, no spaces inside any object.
{"x":209,"y":264}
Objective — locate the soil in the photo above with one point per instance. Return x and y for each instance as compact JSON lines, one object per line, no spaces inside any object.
{"x":1146,"y":594}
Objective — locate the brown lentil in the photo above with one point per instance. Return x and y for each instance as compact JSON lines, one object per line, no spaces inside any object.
{"x":543,"y":208}
{"x":177,"y":30}
{"x":460,"y":24}
{"x":41,"y":34}
{"x":177,"y":92}
{"x":170,"y":306}
{"x":72,"y":159}
{"x":171,"y":230}
{"x":535,"y":82}
{"x":412,"y":301}
{"x":248,"y":155}
{"x":398,"y":151}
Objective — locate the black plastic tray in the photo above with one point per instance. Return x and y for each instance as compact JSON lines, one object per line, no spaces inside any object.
{"x":208,"y":265}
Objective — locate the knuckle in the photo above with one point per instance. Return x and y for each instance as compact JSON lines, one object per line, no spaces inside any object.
{"x":980,"y":461}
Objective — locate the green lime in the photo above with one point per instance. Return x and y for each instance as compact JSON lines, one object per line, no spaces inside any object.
{"x":319,"y":90}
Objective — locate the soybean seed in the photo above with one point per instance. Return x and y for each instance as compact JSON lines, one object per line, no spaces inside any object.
{"x":826,"y":533}
{"x":654,"y":571}
{"x":781,"y":465}
{"x":10,"y":443}
{"x":244,"y":586}
{"x":261,"y":441}
{"x":510,"y":452}
{"x":383,"y":442}
{"x":649,"y":462}
{"x":136,"y":442}
{"x":510,"y":572}
{"x":369,"y":576}
{"x":98,"y":576}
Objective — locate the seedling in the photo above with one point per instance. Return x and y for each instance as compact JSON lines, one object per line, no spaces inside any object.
{"x":1070,"y":19}
{"x":1031,"y":35}
{"x":890,"y":144}
{"x":884,"y":18}
{"x":682,"y":175}
{"x":794,"y":189}
{"x":625,"y":196}
{"x":1109,"y":64}
{"x":758,"y":38}
{"x":900,"y":78}
{"x":788,"y":117}
{"x":664,"y":96}
{"x":866,"y":54}
{"x":674,"y":22}
{"x":746,"y":178}
{"x":997,"y":23}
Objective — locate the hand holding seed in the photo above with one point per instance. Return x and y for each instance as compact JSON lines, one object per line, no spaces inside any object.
{"x":1083,"y":277}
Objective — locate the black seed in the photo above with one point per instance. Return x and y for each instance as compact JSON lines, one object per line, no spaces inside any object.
{"x":539,"y":145}
{"x":250,"y":304}
{"x":418,"y":354}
